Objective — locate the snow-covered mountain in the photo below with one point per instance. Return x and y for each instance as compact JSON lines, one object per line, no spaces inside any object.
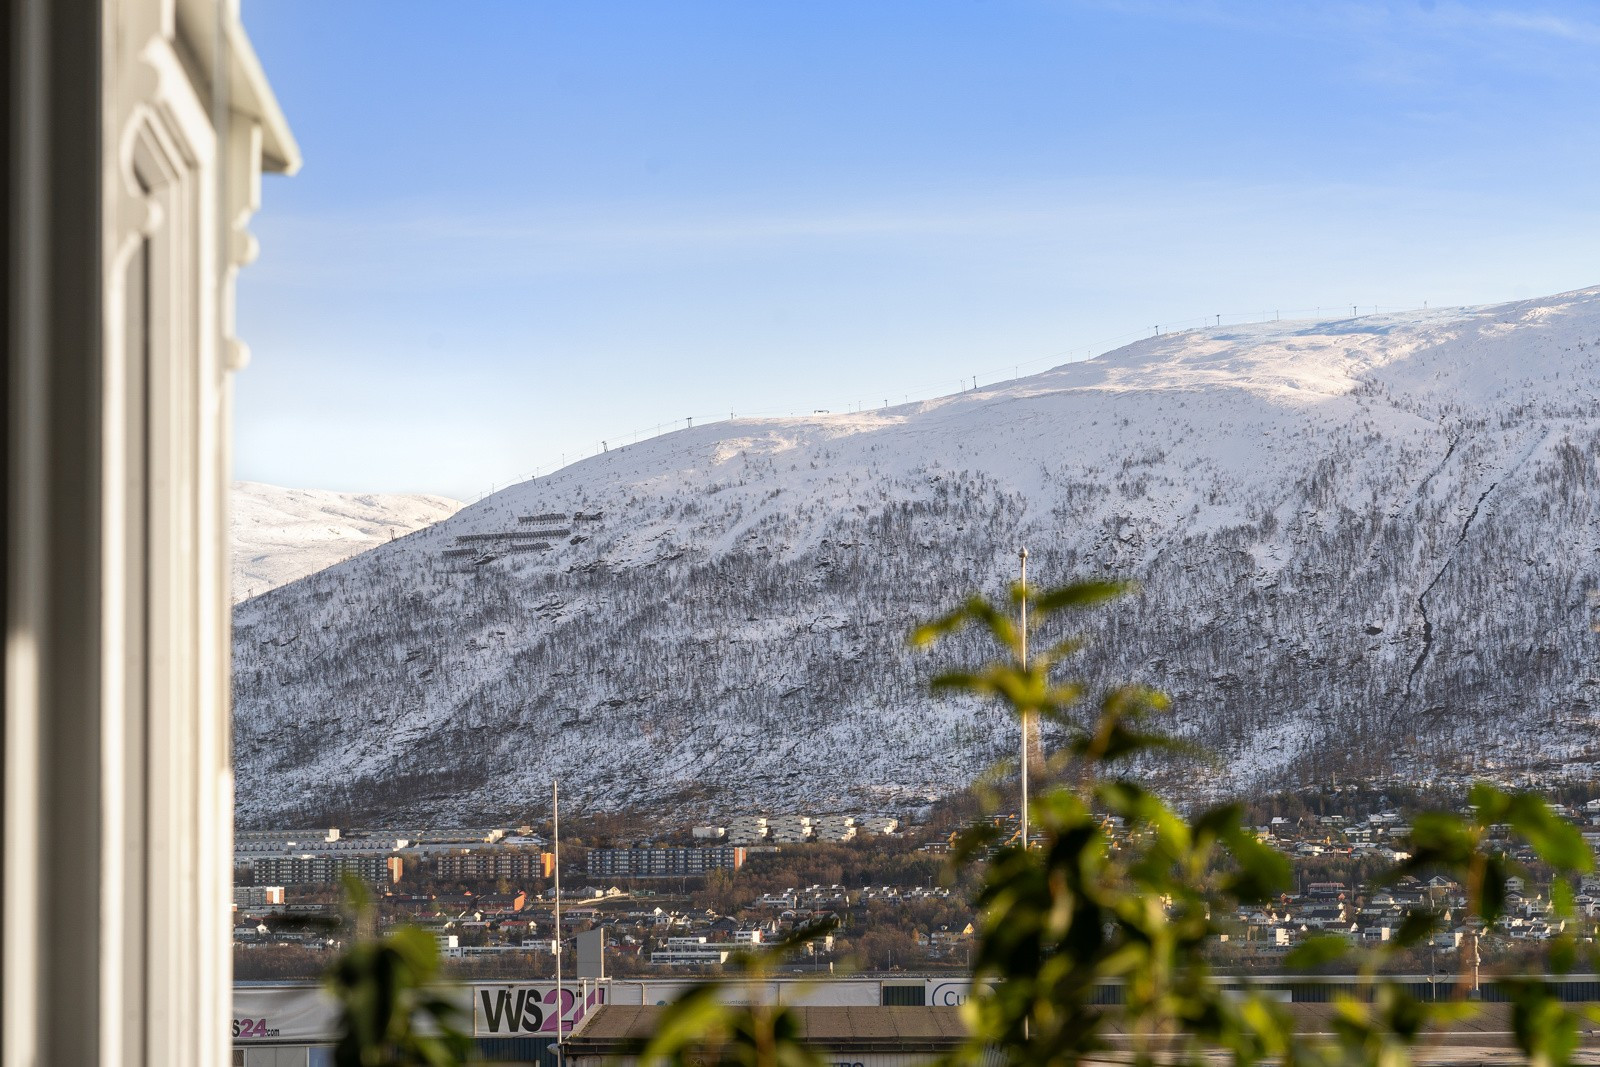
{"x":281,"y":535}
{"x":1365,"y":545}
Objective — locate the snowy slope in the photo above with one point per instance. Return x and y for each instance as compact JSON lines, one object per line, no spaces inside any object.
{"x":1365,"y":546}
{"x":281,"y":535}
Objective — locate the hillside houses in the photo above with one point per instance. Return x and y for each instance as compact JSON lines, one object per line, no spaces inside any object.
{"x":695,"y":905}
{"x":1373,"y":914}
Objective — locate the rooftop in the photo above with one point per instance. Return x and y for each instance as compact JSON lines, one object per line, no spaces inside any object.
{"x":619,"y":1028}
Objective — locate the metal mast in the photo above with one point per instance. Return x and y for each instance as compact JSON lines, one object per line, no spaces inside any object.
{"x":1022,"y":555}
{"x":1023,"y":815}
{"x":555,"y":833}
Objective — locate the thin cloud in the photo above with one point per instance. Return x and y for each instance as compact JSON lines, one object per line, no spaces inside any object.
{"x":1539,"y":24}
{"x":415,"y":249}
{"x":1480,"y":31}
{"x":708,"y":231}
{"x":756,"y":229}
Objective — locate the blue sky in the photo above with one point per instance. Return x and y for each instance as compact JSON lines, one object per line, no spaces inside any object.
{"x":523,"y":227}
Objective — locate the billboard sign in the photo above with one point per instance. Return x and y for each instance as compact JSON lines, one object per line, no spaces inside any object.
{"x":287,"y":1015}
{"x":530,"y":1008}
{"x":283,"y":1015}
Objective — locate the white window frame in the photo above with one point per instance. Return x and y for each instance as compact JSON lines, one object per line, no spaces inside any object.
{"x":137,"y":130}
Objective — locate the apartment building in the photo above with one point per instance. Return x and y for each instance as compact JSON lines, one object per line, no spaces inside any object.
{"x":663,"y":862}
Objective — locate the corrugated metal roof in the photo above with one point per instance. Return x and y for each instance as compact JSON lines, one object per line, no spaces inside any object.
{"x":619,"y":1028}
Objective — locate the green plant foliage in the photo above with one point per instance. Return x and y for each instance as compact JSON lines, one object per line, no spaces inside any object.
{"x":1080,"y":907}
{"x":1077,"y":909}
{"x":701,"y":1027}
{"x":388,"y":1015}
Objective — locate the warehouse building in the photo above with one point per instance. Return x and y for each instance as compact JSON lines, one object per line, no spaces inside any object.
{"x":869,"y":1036}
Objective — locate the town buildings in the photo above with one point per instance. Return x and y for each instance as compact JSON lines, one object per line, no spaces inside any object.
{"x":663,"y":862}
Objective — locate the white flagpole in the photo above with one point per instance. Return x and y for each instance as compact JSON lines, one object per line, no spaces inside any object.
{"x":1023,"y":814}
{"x":555,"y":833}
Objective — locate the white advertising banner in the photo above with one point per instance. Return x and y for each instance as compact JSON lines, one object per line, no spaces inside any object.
{"x":833,"y":994}
{"x":279,"y":1014}
{"x":305,"y":1014}
{"x":826,"y":992}
{"x":308,"y":1015}
{"x":667,"y":990}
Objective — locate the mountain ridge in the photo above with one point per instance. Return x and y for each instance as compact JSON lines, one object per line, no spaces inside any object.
{"x":280,"y":535}
{"x":730,"y":633}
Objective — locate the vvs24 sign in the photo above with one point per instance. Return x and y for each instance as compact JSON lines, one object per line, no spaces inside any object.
{"x":529,"y":1009}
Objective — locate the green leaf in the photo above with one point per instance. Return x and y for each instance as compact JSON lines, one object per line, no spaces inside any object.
{"x":697,"y":1017}
{"x":965,"y":681}
{"x":1561,"y":898}
{"x":1263,"y":872}
{"x":1554,"y":839}
{"x":1079,"y":595}
{"x":1545,"y":1031}
{"x":1417,"y":926}
{"x":1314,"y":952}
{"x":1080,"y":907}
{"x":1562,"y":955}
{"x":381,"y":986}
{"x":948,"y":623}
{"x":1492,"y":900}
{"x":1440,"y":838}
